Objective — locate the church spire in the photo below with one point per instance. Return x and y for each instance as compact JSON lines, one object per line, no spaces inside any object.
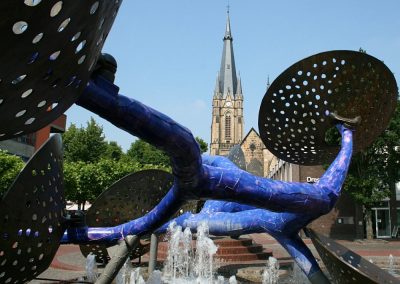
{"x":228,"y":34}
{"x":227,"y":75}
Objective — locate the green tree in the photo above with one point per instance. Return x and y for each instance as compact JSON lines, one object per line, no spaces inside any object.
{"x":10,"y":167}
{"x":113,"y":151}
{"x":84,"y":143}
{"x":146,"y":154}
{"x":203,"y":145}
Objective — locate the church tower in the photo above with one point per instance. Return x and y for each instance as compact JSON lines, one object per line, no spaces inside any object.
{"x":227,"y":105}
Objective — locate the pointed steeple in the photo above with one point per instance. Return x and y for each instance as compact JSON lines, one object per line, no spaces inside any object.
{"x":228,"y":34}
{"x":227,"y":74}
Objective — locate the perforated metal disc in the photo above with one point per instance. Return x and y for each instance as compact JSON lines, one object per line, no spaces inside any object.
{"x":129,"y":198}
{"x":48,"y":50}
{"x":294,"y":113}
{"x":236,"y":155}
{"x":256,"y":167}
{"x":345,"y":266}
{"x":31,"y":215}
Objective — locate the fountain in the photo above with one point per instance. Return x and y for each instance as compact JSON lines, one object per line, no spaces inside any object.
{"x":183,"y":263}
{"x":91,"y":268}
{"x":86,"y":77}
{"x":391,"y":265}
{"x":270,"y":275}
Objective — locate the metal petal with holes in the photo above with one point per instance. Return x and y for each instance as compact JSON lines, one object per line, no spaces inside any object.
{"x":31,"y":213}
{"x":127,"y":199}
{"x":345,"y":266}
{"x":294,"y":113}
{"x":236,"y":155}
{"x":48,"y":51}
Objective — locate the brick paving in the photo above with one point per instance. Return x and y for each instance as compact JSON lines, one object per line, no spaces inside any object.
{"x":70,"y":264}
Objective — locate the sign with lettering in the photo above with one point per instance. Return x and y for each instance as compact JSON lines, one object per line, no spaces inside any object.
{"x":312,"y":180}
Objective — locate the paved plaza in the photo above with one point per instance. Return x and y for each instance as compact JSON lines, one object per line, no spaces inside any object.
{"x":69,"y":264}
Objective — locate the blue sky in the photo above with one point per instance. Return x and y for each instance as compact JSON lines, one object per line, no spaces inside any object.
{"x":169,"y":52}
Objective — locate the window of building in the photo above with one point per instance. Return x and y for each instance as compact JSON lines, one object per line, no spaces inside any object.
{"x":217,"y":119}
{"x":228,"y":66}
{"x":239,"y":120}
{"x":228,"y":126}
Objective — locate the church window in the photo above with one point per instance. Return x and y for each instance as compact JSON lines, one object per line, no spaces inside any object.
{"x":239,"y":120}
{"x":228,"y":126}
{"x":217,"y":119}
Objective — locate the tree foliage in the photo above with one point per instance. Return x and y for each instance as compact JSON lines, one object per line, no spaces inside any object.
{"x":10,"y":167}
{"x":203,"y":145}
{"x":85,"y":143}
{"x":114,"y":151}
{"x":146,"y":154}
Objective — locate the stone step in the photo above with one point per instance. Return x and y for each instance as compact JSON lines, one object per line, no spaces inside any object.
{"x":239,"y":249}
{"x":229,"y":250}
{"x":244,"y":256}
{"x":228,"y":242}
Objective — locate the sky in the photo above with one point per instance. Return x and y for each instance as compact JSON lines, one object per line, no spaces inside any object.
{"x":169,"y":52}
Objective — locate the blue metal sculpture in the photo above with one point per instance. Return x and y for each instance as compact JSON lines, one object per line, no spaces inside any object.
{"x":306,"y":98}
{"x":214,"y":178}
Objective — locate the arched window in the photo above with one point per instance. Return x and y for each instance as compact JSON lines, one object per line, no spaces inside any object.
{"x":228,"y":126}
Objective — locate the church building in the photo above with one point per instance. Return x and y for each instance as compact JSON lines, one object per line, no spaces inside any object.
{"x":227,"y":126}
{"x":227,"y":105}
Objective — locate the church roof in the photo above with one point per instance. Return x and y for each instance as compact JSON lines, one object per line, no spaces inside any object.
{"x":227,"y":76}
{"x":248,"y":133}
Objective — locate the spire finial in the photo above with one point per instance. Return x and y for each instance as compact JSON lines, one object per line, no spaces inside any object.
{"x":228,"y":34}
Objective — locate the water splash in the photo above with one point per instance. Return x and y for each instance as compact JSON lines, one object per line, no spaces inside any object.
{"x":391,"y":264}
{"x":186,"y":265}
{"x":205,"y":252}
{"x":180,"y":253}
{"x":91,"y":268}
{"x":232,"y":280}
{"x":271,"y":271}
{"x":155,"y":277}
{"x":136,"y":277}
{"x":124,"y":273}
